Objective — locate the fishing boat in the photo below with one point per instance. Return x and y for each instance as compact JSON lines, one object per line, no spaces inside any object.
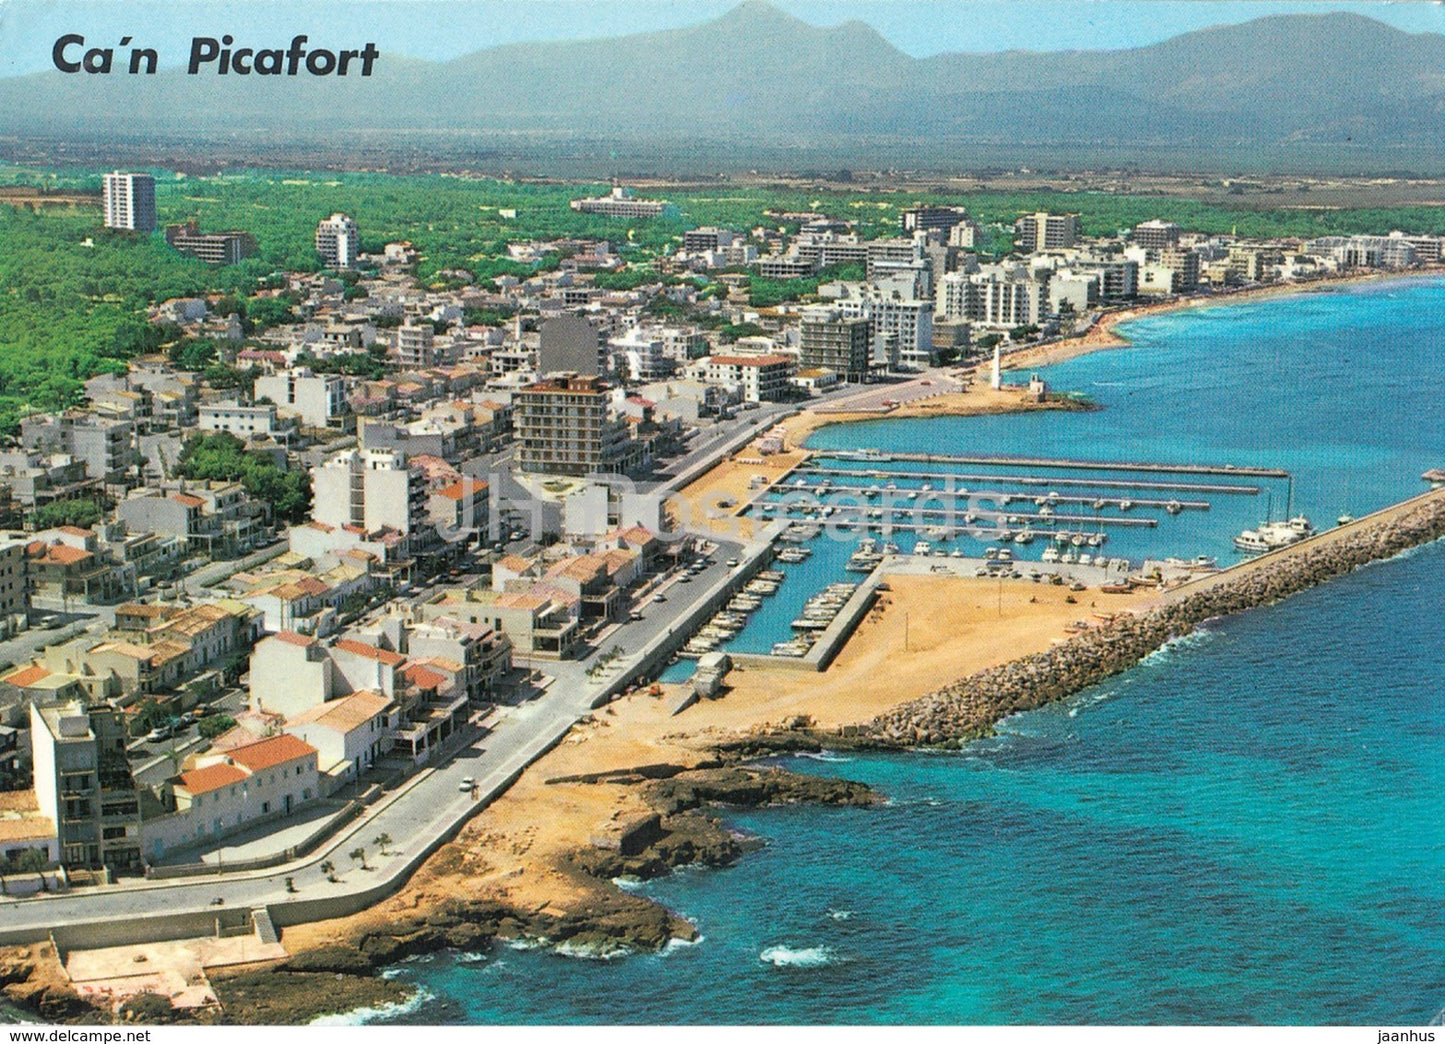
{"x":923,"y":547}
{"x":1126,"y":505}
{"x":1024,"y":536}
{"x":1051,"y":554}
{"x":1174,"y":507}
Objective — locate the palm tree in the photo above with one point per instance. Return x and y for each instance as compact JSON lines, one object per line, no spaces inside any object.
{"x":329,"y":869}
{"x":359,"y":854}
{"x":381,"y":841}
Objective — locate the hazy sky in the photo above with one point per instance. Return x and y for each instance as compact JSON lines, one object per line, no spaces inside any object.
{"x":441,"y":29}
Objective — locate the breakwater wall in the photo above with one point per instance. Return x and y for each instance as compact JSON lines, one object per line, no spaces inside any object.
{"x":971,"y":706}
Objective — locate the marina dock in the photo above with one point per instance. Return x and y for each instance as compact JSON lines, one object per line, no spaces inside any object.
{"x":1052,"y":462}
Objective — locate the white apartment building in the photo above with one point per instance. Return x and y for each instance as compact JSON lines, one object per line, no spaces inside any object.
{"x":995,"y":297}
{"x":338,"y":241}
{"x":316,"y":398}
{"x":129,"y":201}
{"x":760,"y":377}
{"x":246,"y":422}
{"x":372,"y":489}
{"x":902,"y":324}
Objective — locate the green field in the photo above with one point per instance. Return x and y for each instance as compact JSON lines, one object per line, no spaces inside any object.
{"x":73,"y":296}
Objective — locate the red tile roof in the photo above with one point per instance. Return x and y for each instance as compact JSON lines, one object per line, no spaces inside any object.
{"x":458,"y":490}
{"x":188,"y":500}
{"x":65,"y":555}
{"x":212,"y":777}
{"x":27,"y":676}
{"x":292,"y":638}
{"x":423,"y":678}
{"x":371,"y":652}
{"x":270,"y":752}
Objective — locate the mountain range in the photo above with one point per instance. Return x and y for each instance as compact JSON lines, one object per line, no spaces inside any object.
{"x":1336,"y":83}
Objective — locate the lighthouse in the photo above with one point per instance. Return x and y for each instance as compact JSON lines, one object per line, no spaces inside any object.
{"x":996,"y":381}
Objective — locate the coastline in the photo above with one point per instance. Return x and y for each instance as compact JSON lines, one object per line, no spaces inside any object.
{"x":525,"y":867}
{"x":1104,"y":335}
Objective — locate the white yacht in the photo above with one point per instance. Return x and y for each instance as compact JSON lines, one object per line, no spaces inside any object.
{"x":1271,"y":536}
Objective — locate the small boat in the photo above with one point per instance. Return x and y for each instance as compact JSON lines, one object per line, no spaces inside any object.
{"x":1086,"y":559}
{"x":890,"y":548}
{"x":1126,"y":505}
{"x":1097,"y":539}
{"x":1077,"y":539}
{"x":1099,"y":504}
{"x":923,"y":547}
{"x":1344,"y":519}
{"x":1051,"y":554}
{"x":957,"y":552}
{"x":1174,"y":507}
{"x":1024,"y":536}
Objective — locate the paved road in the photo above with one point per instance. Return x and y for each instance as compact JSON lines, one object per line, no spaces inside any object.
{"x":427,"y":808}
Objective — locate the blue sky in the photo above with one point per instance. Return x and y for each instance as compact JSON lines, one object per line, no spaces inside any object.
{"x":441,"y":29}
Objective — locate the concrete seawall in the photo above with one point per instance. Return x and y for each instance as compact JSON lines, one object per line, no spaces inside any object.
{"x":971,"y":706}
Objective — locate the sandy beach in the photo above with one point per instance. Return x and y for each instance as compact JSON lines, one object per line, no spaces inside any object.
{"x":925,"y":632}
{"x":1104,"y":335}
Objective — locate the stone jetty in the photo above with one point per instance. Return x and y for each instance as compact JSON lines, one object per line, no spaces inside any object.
{"x":971,"y":706}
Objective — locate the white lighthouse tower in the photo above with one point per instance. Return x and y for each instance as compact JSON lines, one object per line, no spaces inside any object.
{"x":996,"y":381}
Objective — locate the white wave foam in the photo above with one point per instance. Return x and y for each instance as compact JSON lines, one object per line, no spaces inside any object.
{"x":824,"y":755}
{"x":361,"y":1016}
{"x":1090,"y":701}
{"x":592,"y":951}
{"x":471,"y":957}
{"x":840,"y":915}
{"x":789,"y":957}
{"x":674,"y":944}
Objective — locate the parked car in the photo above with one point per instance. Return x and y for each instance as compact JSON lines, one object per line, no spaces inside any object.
{"x":159,"y":733}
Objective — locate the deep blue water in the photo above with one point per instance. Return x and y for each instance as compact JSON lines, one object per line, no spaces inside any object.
{"x":1249,"y":827}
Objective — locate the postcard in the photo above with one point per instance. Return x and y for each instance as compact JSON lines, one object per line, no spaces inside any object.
{"x":784,"y":513}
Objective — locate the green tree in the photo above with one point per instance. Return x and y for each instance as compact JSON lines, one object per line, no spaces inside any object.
{"x":358,"y":854}
{"x":81,"y":512}
{"x":213,"y":726}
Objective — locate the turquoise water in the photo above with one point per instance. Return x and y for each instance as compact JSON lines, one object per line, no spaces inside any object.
{"x":1341,"y":389}
{"x":1246,"y":828}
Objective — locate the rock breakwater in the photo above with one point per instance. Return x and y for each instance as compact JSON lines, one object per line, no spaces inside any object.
{"x":969,"y":708}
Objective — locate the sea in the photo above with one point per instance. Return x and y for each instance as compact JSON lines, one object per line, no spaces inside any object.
{"x":1246,"y":828}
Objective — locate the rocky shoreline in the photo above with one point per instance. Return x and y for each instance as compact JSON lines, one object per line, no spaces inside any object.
{"x":607,"y":921}
{"x":969,"y":708}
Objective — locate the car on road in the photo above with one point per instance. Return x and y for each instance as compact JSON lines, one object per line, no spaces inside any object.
{"x":659,"y":597}
{"x":636,"y":614}
{"x":50,"y":621}
{"x":732,"y":563}
{"x":159,"y":733}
